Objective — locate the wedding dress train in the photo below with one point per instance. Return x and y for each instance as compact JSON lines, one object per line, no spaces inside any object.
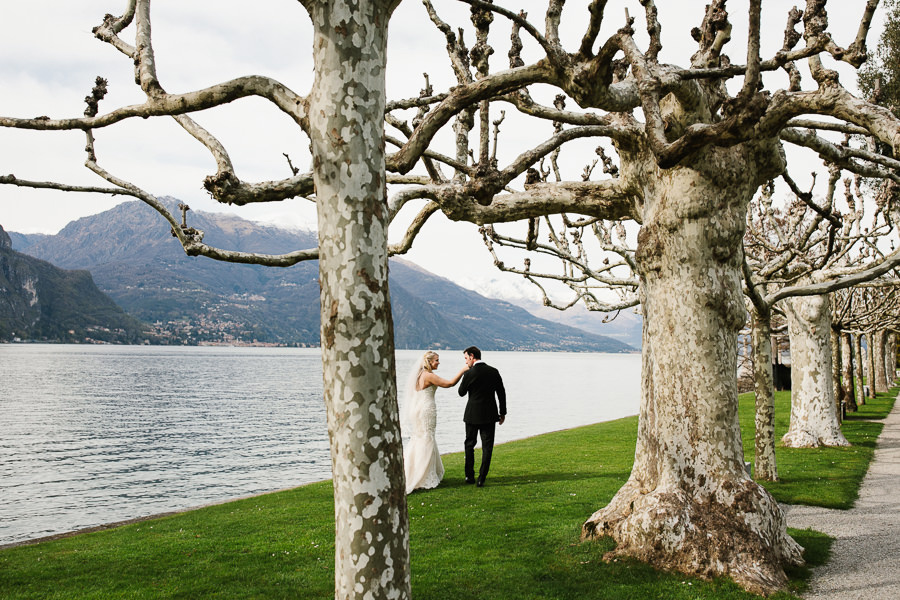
{"x":421,"y":459}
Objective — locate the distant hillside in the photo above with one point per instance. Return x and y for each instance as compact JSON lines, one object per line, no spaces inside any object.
{"x":20,"y":241}
{"x":39,"y":301}
{"x":625,"y":326}
{"x":496,"y":324}
{"x":133,"y":258}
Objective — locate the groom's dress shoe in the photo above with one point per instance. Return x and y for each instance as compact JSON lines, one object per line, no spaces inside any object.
{"x":479,"y":483}
{"x":470,"y":480}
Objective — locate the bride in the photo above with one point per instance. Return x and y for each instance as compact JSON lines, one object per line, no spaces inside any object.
{"x":421,"y":459}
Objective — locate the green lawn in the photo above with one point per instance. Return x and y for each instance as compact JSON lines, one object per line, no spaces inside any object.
{"x":516,"y":538}
{"x":828,"y":477}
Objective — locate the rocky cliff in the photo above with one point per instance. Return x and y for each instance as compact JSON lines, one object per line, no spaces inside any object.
{"x":41,"y":302}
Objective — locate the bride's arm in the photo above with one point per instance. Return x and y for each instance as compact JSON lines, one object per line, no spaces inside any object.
{"x":431,"y":378}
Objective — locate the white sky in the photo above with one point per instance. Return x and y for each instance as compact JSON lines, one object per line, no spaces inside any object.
{"x":49,"y":59}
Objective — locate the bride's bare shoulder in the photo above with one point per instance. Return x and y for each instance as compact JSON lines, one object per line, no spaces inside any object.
{"x":428,"y":380}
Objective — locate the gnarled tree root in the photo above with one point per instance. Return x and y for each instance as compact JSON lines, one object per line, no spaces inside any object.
{"x":737,"y":531}
{"x":800,"y":438}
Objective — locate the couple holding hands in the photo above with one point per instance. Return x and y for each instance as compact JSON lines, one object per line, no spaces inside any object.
{"x":484,"y":386}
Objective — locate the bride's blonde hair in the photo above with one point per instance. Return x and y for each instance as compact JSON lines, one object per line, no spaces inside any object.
{"x":426,"y":360}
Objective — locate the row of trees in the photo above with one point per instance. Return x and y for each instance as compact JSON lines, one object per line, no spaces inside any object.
{"x":685,"y":149}
{"x":869,"y":313}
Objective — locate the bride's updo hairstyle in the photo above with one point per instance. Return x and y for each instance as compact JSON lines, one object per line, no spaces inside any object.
{"x":426,"y":360}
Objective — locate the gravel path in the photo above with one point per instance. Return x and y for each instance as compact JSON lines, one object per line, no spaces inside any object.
{"x":865,"y":557}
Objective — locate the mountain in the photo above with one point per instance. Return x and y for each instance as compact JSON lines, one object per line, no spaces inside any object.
{"x":21,"y":241}
{"x":624,"y":326}
{"x":133,"y":258}
{"x":495,"y":323}
{"x":39,"y":301}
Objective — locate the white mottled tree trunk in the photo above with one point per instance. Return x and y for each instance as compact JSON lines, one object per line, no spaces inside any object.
{"x":859,"y":371}
{"x":890,"y":359}
{"x":846,"y":377}
{"x":346,"y":117}
{"x":870,"y":362}
{"x":814,"y":419}
{"x":836,"y":366}
{"x":689,"y":505}
{"x":761,"y":333}
{"x":878,"y":351}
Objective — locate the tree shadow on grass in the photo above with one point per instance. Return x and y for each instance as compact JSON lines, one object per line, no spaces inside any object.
{"x":555,"y":477}
{"x":542,"y":477}
{"x":861,"y":416}
{"x":875,"y":409}
{"x":866,"y":436}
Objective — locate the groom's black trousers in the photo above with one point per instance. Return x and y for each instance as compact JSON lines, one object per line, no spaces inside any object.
{"x":486,"y":430}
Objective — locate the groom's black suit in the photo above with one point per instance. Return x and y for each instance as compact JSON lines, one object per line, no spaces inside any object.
{"x":485,"y":388}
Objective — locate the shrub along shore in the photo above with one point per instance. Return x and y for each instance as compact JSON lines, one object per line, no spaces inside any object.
{"x":518,"y":537}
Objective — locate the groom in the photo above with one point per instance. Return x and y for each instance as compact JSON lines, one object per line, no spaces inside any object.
{"x":482,"y":383}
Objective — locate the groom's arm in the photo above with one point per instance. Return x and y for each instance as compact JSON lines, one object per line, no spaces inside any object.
{"x":464,"y":384}
{"x":501,"y":396}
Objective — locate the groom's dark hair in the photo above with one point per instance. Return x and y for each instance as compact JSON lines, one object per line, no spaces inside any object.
{"x":473,"y":351}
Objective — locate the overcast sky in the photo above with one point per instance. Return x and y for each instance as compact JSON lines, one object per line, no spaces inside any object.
{"x":49,"y":59}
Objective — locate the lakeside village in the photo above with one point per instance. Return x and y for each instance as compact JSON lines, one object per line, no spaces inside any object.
{"x":207,"y":330}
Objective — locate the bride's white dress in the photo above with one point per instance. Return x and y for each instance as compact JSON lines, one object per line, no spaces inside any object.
{"x":421,"y":458}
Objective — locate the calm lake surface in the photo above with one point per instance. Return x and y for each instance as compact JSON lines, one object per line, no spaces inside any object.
{"x":97,"y":434}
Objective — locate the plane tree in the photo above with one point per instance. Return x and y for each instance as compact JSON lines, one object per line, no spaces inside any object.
{"x":882,"y":356}
{"x":793,"y":255}
{"x":846,"y":362}
{"x":857,"y":313}
{"x":875,"y":315}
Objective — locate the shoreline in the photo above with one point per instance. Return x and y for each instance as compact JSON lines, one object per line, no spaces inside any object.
{"x":114,"y":524}
{"x":162,"y":515}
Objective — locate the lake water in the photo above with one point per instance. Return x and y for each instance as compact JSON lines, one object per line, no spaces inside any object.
{"x":98,"y":434}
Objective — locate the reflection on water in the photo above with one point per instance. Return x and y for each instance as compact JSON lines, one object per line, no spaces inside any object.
{"x":97,"y":434}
